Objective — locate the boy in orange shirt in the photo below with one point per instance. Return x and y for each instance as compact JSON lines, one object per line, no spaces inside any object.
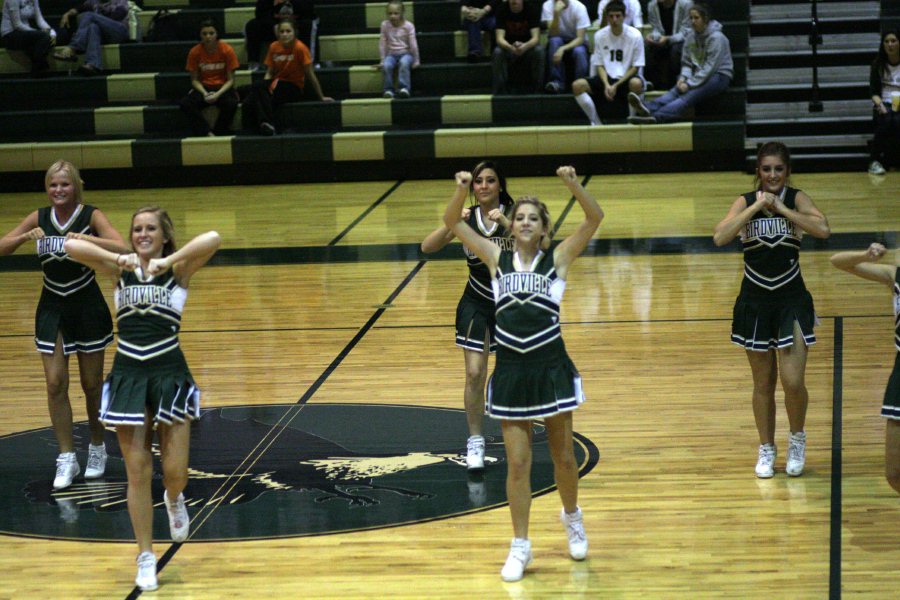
{"x":211,"y":64}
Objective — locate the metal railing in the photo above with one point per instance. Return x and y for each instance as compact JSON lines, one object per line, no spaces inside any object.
{"x":815,"y":38}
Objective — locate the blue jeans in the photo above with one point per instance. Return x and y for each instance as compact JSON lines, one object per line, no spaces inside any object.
{"x":673,"y":104}
{"x":488,"y":23}
{"x":93,"y":30}
{"x":390,"y":63}
{"x":558,"y":70}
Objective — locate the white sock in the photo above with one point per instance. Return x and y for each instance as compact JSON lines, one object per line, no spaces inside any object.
{"x":586,"y":103}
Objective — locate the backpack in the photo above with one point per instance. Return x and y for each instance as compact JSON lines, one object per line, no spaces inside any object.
{"x":163,"y":27}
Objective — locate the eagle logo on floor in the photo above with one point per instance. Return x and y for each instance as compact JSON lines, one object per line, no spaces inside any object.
{"x":281,"y":471}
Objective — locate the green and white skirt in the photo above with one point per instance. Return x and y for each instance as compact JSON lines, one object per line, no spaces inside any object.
{"x":761,"y":324}
{"x":534,"y":385}
{"x":161,"y":387}
{"x":81,"y":318}
{"x":475,"y":321}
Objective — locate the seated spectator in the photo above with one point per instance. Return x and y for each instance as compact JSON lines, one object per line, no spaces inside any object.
{"x":615,"y":66}
{"x":567,"y":22}
{"x":633,"y":14}
{"x":478,"y":16}
{"x":518,"y":46}
{"x":98,"y":23}
{"x":884,"y":83}
{"x":671,"y":21}
{"x":399,"y":50}
{"x":23,"y":28}
{"x":211,"y":64}
{"x":261,"y":28}
{"x":706,"y":71}
{"x":289,"y":68}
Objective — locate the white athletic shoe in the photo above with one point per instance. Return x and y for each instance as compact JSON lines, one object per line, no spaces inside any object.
{"x":66,"y":470}
{"x":796,"y":458}
{"x":519,"y":558}
{"x":179,"y":520}
{"x":876,"y":168}
{"x":146,"y":573}
{"x":578,"y":544}
{"x":765,"y":464}
{"x":96,"y":462}
{"x":475,"y":453}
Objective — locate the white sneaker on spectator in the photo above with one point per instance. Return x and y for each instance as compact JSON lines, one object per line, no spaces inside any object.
{"x":96,"y":462}
{"x":578,"y":544}
{"x":403,"y":93}
{"x":475,"y":453}
{"x":66,"y":469}
{"x":179,"y":520}
{"x":552,"y":87}
{"x":635,"y":102}
{"x":146,"y":573}
{"x":796,"y":458}
{"x":388,"y":94}
{"x":876,"y":168}
{"x":519,"y":558}
{"x":765,"y":464}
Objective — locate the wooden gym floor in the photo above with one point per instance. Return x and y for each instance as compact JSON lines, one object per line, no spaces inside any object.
{"x":319,"y":293}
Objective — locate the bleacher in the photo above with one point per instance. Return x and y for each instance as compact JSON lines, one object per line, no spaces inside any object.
{"x":126,"y":122}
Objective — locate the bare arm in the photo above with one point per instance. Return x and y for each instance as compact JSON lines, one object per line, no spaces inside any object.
{"x":107,"y":237}
{"x":195,"y":82}
{"x":738,"y":216}
{"x":806,"y":216}
{"x":860,"y":263}
{"x":311,"y":78}
{"x":437,"y":239}
{"x":488,"y":252}
{"x":26,"y":230}
{"x":97,"y":258}
{"x":572,"y":246}
{"x":188,"y":259}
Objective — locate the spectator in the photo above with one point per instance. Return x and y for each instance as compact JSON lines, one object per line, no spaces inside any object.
{"x":884,"y":83}
{"x":211,"y":64}
{"x":478,"y":16}
{"x":17,"y":32}
{"x":706,"y":70}
{"x":518,"y":45}
{"x":615,"y":66}
{"x":567,"y":22}
{"x":289,"y":66}
{"x":261,"y":29}
{"x":671,"y":22}
{"x":399,"y":50}
{"x":98,"y":23}
{"x":633,"y":14}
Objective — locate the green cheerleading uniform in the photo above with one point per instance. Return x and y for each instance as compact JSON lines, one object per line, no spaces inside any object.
{"x":149,"y":373}
{"x":773,"y":296}
{"x":891,"y":406}
{"x":534,"y":376}
{"x":475,"y":311}
{"x":71,"y":302}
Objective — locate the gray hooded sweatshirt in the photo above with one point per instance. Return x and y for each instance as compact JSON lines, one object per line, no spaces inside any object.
{"x":704,"y":54}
